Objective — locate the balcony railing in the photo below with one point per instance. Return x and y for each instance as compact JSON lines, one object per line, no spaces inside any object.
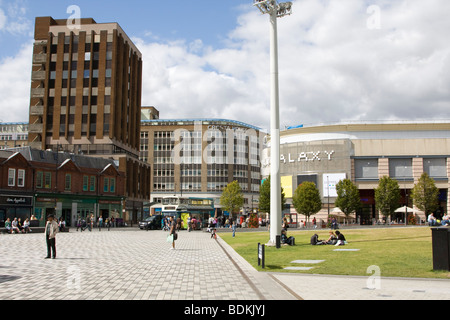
{"x":39,"y":58}
{"x":37,"y":93}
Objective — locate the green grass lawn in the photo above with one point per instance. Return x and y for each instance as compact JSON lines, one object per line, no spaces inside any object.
{"x":398,"y":252}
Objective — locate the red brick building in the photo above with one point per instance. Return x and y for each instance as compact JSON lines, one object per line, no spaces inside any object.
{"x":39,"y":183}
{"x":86,"y":87}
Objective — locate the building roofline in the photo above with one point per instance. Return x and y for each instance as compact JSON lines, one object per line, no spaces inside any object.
{"x":204,"y":120}
{"x":365,"y":126}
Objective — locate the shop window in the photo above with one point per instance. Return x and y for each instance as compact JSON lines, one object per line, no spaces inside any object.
{"x":11,"y":177}
{"x":68,"y":182}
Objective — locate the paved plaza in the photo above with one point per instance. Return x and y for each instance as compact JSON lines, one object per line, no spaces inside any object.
{"x":132,"y":264}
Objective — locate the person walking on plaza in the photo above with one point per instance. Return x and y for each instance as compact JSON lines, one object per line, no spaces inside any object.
{"x":100,"y":223}
{"x":79,"y":223}
{"x":92,"y":222}
{"x":233,"y":228}
{"x":51,"y":229}
{"x":173,"y":231}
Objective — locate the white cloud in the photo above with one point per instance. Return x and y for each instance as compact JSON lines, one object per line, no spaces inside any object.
{"x":332,"y":66}
{"x":15,"y":84}
{"x":3,"y":19}
{"x":13,"y":18}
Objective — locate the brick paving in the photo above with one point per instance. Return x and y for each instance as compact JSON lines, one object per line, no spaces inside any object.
{"x":127,"y":264}
{"x":131,"y":264}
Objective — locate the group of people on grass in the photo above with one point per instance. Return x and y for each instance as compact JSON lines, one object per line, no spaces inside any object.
{"x":335,"y":238}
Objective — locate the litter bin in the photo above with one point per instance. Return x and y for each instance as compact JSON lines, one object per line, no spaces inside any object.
{"x":441,"y":248}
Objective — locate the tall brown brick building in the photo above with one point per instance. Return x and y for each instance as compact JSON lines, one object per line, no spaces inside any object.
{"x":86,"y":97}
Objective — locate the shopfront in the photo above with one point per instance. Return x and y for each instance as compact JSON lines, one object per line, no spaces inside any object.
{"x":71,"y":208}
{"x":15,"y":206}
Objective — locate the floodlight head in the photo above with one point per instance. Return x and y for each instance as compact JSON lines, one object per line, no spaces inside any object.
{"x":271,"y":6}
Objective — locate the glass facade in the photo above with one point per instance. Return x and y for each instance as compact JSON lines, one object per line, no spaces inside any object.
{"x":201,"y":156}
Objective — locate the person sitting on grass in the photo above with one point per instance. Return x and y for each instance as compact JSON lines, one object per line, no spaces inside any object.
{"x":332,"y":239}
{"x":285,"y":240}
{"x":315,"y":240}
{"x":340,"y":239}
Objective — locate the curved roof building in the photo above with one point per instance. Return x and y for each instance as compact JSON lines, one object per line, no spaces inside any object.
{"x":364,"y":152}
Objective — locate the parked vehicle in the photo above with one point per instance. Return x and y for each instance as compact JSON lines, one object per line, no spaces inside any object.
{"x":151,"y":223}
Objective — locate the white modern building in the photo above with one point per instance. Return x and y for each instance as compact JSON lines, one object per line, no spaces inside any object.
{"x":364,"y":152}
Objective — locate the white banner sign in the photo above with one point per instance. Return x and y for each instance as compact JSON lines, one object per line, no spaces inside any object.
{"x":330,"y":180}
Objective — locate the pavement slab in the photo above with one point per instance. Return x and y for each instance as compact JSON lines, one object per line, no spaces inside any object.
{"x":132,"y":264}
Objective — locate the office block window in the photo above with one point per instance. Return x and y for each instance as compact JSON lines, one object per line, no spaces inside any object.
{"x":400,"y":168}
{"x":366,"y":168}
{"x":435,"y":168}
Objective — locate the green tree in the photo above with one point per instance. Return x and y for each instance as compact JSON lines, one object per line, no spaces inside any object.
{"x":387,"y":196}
{"x":348,"y":199}
{"x":264,"y":197}
{"x":425,"y":194}
{"x":232,"y":198}
{"x":307,"y":200}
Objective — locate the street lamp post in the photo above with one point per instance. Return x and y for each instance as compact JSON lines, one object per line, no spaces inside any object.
{"x":275,"y":10}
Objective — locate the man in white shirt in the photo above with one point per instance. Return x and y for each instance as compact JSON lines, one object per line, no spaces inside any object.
{"x":51,"y":229}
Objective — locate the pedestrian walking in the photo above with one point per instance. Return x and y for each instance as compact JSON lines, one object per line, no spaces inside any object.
{"x":92,"y":222}
{"x":233,"y":228}
{"x":78,"y":223}
{"x":173,"y":232}
{"x":100,"y":223}
{"x":51,"y":229}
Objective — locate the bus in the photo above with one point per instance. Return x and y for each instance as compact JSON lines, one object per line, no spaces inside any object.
{"x":182,"y":207}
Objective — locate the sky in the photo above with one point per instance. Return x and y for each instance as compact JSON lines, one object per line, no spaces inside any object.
{"x":339,"y":61}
